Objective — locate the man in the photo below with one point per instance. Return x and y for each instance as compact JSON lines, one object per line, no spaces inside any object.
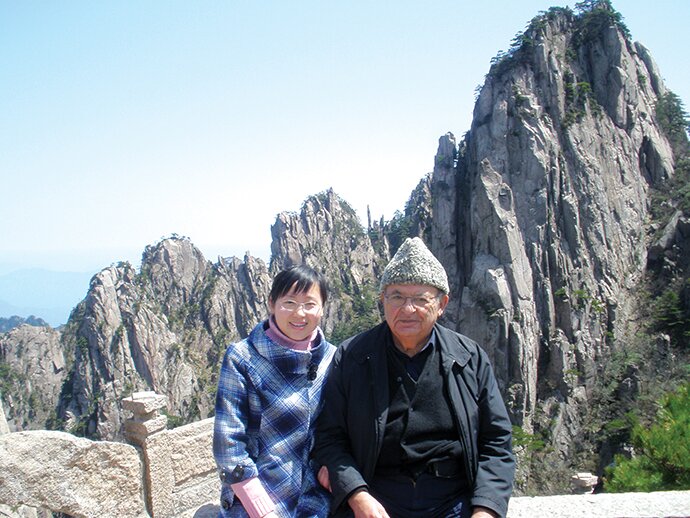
{"x":413,"y":424}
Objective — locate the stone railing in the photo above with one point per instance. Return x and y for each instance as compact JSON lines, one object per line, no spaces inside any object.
{"x":161,"y":473}
{"x":171,"y":474}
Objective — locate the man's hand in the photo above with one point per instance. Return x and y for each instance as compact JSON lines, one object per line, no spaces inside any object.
{"x":483,"y":512}
{"x":366,"y":506}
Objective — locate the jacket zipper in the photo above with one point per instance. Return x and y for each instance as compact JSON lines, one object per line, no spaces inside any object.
{"x":462,"y":429}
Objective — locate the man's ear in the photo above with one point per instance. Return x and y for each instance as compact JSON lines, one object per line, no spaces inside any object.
{"x":442,"y":303}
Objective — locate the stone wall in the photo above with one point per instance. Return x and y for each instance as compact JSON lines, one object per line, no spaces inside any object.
{"x":181,"y":470}
{"x":72,"y":475}
{"x":171,"y":474}
{"x":163,"y":473}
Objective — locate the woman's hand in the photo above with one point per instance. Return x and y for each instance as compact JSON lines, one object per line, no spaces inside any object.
{"x":323,"y":478}
{"x":483,"y":512}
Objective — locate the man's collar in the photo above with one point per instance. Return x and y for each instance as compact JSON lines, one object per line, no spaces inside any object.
{"x":430,"y":342}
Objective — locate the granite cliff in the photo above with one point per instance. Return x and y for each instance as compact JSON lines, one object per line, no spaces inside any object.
{"x":543,"y":215}
{"x":542,"y":219}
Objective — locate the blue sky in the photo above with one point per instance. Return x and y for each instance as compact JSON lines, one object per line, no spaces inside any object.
{"x":124,"y":122}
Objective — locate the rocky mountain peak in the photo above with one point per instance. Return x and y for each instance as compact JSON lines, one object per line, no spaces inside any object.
{"x":542,"y":222}
{"x":328,"y":236}
{"x":175,"y":269}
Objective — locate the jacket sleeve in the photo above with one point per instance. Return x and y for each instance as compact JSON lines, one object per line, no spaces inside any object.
{"x":230,"y":432}
{"x":332,"y":447}
{"x":496,"y":464}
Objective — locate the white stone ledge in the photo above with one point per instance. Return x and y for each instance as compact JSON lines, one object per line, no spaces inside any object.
{"x":663,"y":504}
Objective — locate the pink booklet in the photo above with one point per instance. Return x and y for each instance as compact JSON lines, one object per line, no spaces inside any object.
{"x":254,"y":498}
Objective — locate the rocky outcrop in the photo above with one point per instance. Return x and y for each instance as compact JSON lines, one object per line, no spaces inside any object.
{"x":541,"y":224}
{"x":328,"y":236}
{"x":670,"y":252}
{"x":7,"y":324}
{"x":34,"y":366}
{"x":163,"y":328}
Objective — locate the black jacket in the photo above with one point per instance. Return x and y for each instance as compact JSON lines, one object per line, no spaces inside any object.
{"x":350,"y":428}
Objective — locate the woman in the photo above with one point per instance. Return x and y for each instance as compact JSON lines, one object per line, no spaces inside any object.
{"x":267,"y":401}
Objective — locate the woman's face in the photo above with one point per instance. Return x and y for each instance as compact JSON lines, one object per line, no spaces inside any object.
{"x":298,"y":314}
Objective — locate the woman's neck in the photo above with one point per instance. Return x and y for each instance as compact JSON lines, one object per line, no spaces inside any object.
{"x":275,"y":334}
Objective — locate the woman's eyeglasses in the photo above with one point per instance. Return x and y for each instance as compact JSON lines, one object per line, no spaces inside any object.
{"x":292,"y":306}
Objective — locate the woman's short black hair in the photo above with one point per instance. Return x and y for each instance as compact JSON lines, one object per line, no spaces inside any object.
{"x":302,"y":277}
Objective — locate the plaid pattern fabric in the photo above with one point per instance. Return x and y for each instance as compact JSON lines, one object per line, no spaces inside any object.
{"x":266,"y":406}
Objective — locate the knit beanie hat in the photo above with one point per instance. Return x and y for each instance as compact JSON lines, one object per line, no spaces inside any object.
{"x":414,"y":263}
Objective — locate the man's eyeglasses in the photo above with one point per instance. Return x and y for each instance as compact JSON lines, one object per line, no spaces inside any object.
{"x":397,"y":301}
{"x":292,"y":306}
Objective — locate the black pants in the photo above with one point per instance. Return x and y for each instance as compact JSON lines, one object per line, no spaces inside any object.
{"x":427,"y":497}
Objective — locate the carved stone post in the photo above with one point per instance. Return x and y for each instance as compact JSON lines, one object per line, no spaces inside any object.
{"x":146,"y":417}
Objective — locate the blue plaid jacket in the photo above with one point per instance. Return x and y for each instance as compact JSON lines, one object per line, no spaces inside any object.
{"x":267,"y":401}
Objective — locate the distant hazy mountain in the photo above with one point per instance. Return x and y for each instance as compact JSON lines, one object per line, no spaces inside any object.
{"x":7,"y":324}
{"x":50,"y":295}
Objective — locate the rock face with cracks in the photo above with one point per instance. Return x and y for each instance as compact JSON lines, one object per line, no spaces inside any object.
{"x":541,"y":220}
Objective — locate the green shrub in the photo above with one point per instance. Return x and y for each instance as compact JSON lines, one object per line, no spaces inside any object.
{"x":174,"y":421}
{"x":596,"y":15}
{"x":673,"y":119}
{"x":365,"y":315}
{"x":662,"y":450}
{"x":10,"y":379}
{"x":527,"y":441}
{"x":670,"y":315}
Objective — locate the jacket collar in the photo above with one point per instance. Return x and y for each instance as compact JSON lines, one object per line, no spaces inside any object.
{"x":286,"y":359}
{"x":461,"y":355}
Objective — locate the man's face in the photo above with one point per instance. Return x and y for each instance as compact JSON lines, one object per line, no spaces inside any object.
{"x":411,"y":310}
